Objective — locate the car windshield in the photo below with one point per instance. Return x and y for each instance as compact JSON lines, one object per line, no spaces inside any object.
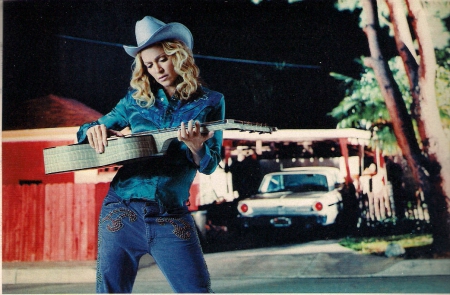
{"x":294,"y":182}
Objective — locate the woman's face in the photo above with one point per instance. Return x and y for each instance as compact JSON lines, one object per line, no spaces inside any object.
{"x":160,"y":66}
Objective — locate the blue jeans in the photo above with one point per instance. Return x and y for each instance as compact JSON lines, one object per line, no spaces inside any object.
{"x":130,"y":229}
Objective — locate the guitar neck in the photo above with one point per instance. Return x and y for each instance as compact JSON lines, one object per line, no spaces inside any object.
{"x":163,"y":137}
{"x":227,"y":124}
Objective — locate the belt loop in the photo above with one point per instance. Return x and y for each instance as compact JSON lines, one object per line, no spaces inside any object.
{"x":162,"y":209}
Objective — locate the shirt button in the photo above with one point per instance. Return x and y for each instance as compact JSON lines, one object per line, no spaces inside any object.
{"x":162,"y":98}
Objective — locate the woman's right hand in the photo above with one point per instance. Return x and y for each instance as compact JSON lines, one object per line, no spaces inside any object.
{"x":97,"y":136}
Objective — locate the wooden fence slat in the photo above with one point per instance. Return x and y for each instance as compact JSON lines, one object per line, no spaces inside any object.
{"x":16,"y":207}
{"x":91,"y":223}
{"x":48,"y":222}
{"x":34,"y":196}
{"x":5,"y":221}
{"x":29,"y":211}
{"x":53,"y":232}
{"x":69,"y":222}
{"x":61,"y":221}
{"x":31,"y":200}
{"x":40,"y":222}
{"x":83,"y":223}
{"x":7,"y":191}
{"x":8,"y":222}
{"x":15,"y":210}
{"x":19,"y":205}
{"x":76,"y":223}
{"x":54,"y":226}
{"x":23,"y":222}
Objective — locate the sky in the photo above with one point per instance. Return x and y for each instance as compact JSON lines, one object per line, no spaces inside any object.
{"x":72,"y":49}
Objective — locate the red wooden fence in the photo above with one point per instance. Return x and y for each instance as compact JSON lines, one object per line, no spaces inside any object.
{"x":52,"y":222}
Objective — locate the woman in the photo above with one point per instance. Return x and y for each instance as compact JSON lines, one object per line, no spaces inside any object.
{"x":145,"y":210}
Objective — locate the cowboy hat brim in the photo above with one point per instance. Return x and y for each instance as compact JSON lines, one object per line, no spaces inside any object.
{"x":169,"y":31}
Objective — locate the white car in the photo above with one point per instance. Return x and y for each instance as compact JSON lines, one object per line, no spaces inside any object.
{"x":304,"y":196}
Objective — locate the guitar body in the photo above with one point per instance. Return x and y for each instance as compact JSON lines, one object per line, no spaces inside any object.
{"x":83,"y":156}
{"x":129,"y":148}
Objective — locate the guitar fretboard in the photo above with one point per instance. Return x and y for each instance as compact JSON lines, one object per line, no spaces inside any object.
{"x":227,"y":124}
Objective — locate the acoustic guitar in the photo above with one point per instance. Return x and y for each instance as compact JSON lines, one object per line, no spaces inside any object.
{"x":131,"y":147}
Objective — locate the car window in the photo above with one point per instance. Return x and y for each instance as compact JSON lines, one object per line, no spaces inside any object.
{"x":294,"y":182}
{"x":305,"y":182}
{"x":271,"y":184}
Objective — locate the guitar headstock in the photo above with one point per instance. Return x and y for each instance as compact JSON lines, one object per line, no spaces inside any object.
{"x":251,"y":126}
{"x":256,"y":127}
{"x":230,"y":124}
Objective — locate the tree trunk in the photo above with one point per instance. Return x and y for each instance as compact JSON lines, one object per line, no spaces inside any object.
{"x":405,"y":47}
{"x":435,"y":143}
{"x":425,"y":111}
{"x":401,"y":121}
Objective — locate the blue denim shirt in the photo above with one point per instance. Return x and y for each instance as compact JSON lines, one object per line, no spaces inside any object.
{"x":165,"y":179}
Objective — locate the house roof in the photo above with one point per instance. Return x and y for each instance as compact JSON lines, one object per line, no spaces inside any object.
{"x":296,"y":135}
{"x":52,"y":111}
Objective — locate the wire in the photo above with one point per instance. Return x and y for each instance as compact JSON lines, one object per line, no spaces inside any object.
{"x":266,"y":63}
{"x":278,"y":65}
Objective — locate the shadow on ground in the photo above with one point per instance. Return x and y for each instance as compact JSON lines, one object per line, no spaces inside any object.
{"x":224,"y":239}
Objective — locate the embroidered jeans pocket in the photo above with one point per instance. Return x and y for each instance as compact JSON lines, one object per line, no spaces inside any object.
{"x":114,"y":211}
{"x":116,"y":216}
{"x":182,"y":228}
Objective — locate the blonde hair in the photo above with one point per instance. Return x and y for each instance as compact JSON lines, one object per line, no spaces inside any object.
{"x":184,"y":65}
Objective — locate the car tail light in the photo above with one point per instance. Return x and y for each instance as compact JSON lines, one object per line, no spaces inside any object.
{"x":318,"y":206}
{"x":244,"y":208}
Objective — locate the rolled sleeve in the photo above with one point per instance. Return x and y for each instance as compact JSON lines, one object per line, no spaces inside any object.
{"x":210,"y":157}
{"x":81,"y":134}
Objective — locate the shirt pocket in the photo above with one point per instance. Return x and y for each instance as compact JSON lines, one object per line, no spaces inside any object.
{"x":196,"y":113}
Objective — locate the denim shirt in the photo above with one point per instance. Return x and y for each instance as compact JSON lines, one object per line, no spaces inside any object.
{"x":165,"y":179}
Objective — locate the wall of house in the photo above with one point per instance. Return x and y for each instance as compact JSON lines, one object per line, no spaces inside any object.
{"x":23,"y":163}
{"x":51,"y":222}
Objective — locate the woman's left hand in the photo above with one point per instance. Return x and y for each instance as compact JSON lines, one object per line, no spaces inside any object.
{"x":193,"y":138}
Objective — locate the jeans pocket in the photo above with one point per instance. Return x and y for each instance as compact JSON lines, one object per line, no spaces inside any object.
{"x":183,"y":227}
{"x":114,"y":211}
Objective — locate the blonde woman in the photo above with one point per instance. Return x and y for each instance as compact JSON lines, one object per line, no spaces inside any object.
{"x":145,"y":210}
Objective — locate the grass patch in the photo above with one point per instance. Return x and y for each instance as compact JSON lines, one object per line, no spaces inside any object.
{"x":377,"y":245}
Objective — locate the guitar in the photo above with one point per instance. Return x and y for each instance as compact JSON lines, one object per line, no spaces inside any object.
{"x":131,"y":147}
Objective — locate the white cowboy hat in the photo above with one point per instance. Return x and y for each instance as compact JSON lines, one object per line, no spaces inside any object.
{"x":150,"y":30}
